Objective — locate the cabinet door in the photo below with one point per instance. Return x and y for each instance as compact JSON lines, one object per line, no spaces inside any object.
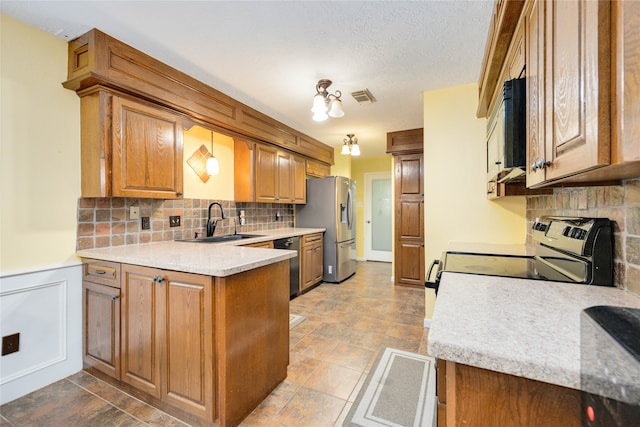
{"x":534,"y":24}
{"x":311,"y":260}
{"x":410,"y":264}
{"x":147,"y":151}
{"x":266,"y":174}
{"x":568,"y":88}
{"x":101,"y":330}
{"x":409,"y":180}
{"x":578,"y":92}
{"x":285,"y":175}
{"x":318,"y":262}
{"x":143,"y":297}
{"x":299,"y":180}
{"x":188,"y":344}
{"x":411,"y":219}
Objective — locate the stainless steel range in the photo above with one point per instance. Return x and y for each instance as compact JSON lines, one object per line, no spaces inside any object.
{"x":567,"y":249}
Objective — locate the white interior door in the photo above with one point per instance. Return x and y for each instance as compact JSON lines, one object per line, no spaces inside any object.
{"x":378,"y":210}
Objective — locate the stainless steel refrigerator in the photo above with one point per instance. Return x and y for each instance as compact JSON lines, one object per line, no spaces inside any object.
{"x":331,"y":205}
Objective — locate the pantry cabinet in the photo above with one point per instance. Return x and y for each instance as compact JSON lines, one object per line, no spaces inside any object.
{"x":129,"y":148}
{"x":311,"y":260}
{"x":568,"y":88}
{"x":409,"y":222}
{"x":167,"y":343}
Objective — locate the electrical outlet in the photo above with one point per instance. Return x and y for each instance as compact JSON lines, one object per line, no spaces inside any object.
{"x":134,"y":212}
{"x":146,"y":224}
{"x":10,"y":344}
{"x":174,"y":221}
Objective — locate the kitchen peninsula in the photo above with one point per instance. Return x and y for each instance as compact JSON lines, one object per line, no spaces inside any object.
{"x":508,"y":349}
{"x":199,"y":330}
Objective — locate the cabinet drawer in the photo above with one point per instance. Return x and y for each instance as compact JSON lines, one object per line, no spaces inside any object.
{"x":311,"y":238}
{"x":104,"y":272}
{"x":266,"y":245}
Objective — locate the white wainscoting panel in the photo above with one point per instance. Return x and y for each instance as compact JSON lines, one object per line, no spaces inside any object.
{"x":45,"y":307}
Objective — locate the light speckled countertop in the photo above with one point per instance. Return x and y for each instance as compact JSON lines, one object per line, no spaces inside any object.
{"x":211,"y":259}
{"x":527,"y":328}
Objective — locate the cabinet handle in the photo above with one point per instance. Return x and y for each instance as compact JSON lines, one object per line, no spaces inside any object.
{"x":498,"y":163}
{"x":115,"y":297}
{"x":179,"y":193}
{"x":99,"y":272}
{"x":540,"y":164}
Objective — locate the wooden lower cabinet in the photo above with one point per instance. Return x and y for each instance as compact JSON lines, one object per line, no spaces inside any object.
{"x":167,"y":341}
{"x":101,"y":343}
{"x":311,"y":260}
{"x":205,"y":349}
{"x":480,"y":397}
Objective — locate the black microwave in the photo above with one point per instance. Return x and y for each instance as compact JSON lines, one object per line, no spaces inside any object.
{"x":507,"y":130}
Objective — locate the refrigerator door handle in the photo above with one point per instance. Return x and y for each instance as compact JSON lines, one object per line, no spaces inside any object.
{"x":349,"y":210}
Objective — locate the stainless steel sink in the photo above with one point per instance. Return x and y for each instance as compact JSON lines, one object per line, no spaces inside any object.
{"x":220,"y":239}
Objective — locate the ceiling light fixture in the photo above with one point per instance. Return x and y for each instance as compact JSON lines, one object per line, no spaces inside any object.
{"x":351,"y":145}
{"x":326,"y":104}
{"x":213,"y":168}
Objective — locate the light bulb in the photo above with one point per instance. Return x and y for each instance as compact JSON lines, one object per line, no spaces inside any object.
{"x":320,"y":116}
{"x":213,"y":168}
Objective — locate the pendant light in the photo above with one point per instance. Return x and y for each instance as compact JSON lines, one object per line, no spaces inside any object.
{"x":326,"y":104}
{"x":350,"y":145}
{"x":213,"y":168}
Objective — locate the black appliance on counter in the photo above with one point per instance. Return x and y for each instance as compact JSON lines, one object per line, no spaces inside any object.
{"x":610,"y":366}
{"x":567,"y":249}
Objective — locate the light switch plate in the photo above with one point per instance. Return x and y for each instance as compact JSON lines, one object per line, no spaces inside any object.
{"x":134,"y":212}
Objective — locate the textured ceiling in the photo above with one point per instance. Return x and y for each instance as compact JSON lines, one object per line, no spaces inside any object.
{"x":270,"y":54}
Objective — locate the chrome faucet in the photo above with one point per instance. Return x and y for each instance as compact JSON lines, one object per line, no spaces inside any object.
{"x":211,"y":225}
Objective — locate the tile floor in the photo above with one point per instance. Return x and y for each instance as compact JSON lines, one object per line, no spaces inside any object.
{"x":331,"y":353}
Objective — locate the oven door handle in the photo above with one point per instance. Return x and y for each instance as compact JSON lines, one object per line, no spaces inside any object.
{"x":429,"y":284}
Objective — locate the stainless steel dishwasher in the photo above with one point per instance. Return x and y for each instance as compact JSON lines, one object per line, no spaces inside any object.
{"x":292,"y":244}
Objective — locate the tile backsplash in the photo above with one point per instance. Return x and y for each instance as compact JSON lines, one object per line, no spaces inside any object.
{"x":620,"y":203}
{"x":105,"y":222}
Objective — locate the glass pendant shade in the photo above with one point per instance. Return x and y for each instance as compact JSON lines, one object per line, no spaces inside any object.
{"x":213,"y":168}
{"x":319,"y":104}
{"x":320,"y":116}
{"x":335,"y":108}
{"x":345,"y":149}
{"x":355,"y":149}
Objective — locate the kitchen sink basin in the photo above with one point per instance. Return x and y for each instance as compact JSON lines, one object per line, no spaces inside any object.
{"x":220,"y":239}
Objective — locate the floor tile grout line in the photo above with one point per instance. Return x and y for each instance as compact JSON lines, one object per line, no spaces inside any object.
{"x":128,"y":395}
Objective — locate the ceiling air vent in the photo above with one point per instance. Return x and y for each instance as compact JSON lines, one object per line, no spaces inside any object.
{"x":363,"y":97}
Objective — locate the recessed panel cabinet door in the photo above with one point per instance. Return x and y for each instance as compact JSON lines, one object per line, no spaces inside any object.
{"x":142,"y":296}
{"x":409,"y":174}
{"x":147,"y":151}
{"x":189,"y":344}
{"x":266,"y":174}
{"x":579,"y":78}
{"x":102,"y":328}
{"x":535,"y":92}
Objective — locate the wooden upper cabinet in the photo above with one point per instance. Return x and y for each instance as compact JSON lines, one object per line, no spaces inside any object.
{"x":97,"y":60}
{"x":569,"y":79}
{"x":129,"y":148}
{"x":147,"y":151}
{"x":263,"y":173}
{"x":299,"y":166}
{"x":266,"y":174}
{"x":317,"y":169}
{"x":405,"y":141}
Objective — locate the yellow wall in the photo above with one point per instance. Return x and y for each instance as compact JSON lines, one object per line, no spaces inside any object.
{"x":360,"y":166}
{"x":39,"y":150}
{"x":456,"y":207}
{"x":219,"y":187}
{"x":342,"y":164}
